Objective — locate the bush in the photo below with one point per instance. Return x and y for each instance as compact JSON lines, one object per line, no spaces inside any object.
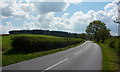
{"x":118,"y":46}
{"x":115,"y":43}
{"x":36,"y":43}
{"x":112,"y":43}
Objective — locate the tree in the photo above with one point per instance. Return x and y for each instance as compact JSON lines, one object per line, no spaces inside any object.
{"x":102,"y":34}
{"x":94,"y":27}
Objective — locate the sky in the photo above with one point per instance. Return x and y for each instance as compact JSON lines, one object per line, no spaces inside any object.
{"x":70,"y":16}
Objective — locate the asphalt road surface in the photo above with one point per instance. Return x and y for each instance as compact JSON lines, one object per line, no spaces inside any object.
{"x":87,"y":56}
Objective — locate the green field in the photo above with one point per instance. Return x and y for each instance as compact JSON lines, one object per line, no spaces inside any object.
{"x":11,"y":55}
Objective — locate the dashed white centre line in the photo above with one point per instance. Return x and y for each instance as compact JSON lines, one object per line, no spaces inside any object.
{"x":55,"y":65}
{"x":77,"y":53}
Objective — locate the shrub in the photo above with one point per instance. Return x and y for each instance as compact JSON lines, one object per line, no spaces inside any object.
{"x":27,"y":44}
{"x":112,"y":43}
{"x":115,"y":43}
{"x":118,"y":46}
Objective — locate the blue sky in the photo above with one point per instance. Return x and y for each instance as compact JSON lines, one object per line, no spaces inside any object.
{"x":62,"y":16}
{"x":84,"y":7}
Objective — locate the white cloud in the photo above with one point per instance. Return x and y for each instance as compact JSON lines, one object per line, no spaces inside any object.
{"x":16,"y":9}
{"x":46,"y":7}
{"x":28,"y":9}
{"x":6,"y":10}
{"x":75,"y":1}
{"x":6,"y":28}
{"x":111,"y":5}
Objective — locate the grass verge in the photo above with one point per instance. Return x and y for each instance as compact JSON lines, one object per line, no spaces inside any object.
{"x":110,"y":57}
{"x":11,"y":59}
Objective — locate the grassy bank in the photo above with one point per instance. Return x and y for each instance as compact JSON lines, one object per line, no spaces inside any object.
{"x":109,"y":58}
{"x":11,"y":57}
{"x":110,"y":54}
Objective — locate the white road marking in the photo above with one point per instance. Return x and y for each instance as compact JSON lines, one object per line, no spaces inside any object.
{"x":77,"y":53}
{"x":55,"y":65}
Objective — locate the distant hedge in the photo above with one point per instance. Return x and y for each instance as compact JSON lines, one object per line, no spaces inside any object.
{"x":32,"y":43}
{"x":45,"y":32}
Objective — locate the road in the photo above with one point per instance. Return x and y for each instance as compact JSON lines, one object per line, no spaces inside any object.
{"x":87,"y":56}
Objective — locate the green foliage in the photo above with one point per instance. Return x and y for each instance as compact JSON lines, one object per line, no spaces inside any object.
{"x":45,"y":32}
{"x":15,"y":58}
{"x":6,"y":41}
{"x":111,"y":52}
{"x":95,"y":26}
{"x":97,"y":30}
{"x":35,"y":43}
{"x":109,"y":57}
{"x":11,"y":56}
{"x":0,"y":43}
{"x":114,"y":43}
{"x":102,"y":35}
{"x":83,"y":36}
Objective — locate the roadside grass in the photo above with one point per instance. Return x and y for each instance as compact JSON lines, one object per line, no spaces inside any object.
{"x":5,"y":42}
{"x":11,"y":59}
{"x":0,"y":58}
{"x":110,"y":57}
{"x":8,"y":59}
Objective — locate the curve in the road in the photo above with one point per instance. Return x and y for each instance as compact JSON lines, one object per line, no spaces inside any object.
{"x":87,"y":56}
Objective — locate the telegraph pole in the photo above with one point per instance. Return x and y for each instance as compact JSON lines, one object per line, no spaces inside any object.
{"x":118,"y":18}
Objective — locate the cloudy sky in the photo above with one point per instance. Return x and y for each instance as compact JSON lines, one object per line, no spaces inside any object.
{"x":71,"y":16}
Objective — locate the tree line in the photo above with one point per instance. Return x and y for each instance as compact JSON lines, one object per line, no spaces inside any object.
{"x":46,"y":32}
{"x":95,"y":30}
